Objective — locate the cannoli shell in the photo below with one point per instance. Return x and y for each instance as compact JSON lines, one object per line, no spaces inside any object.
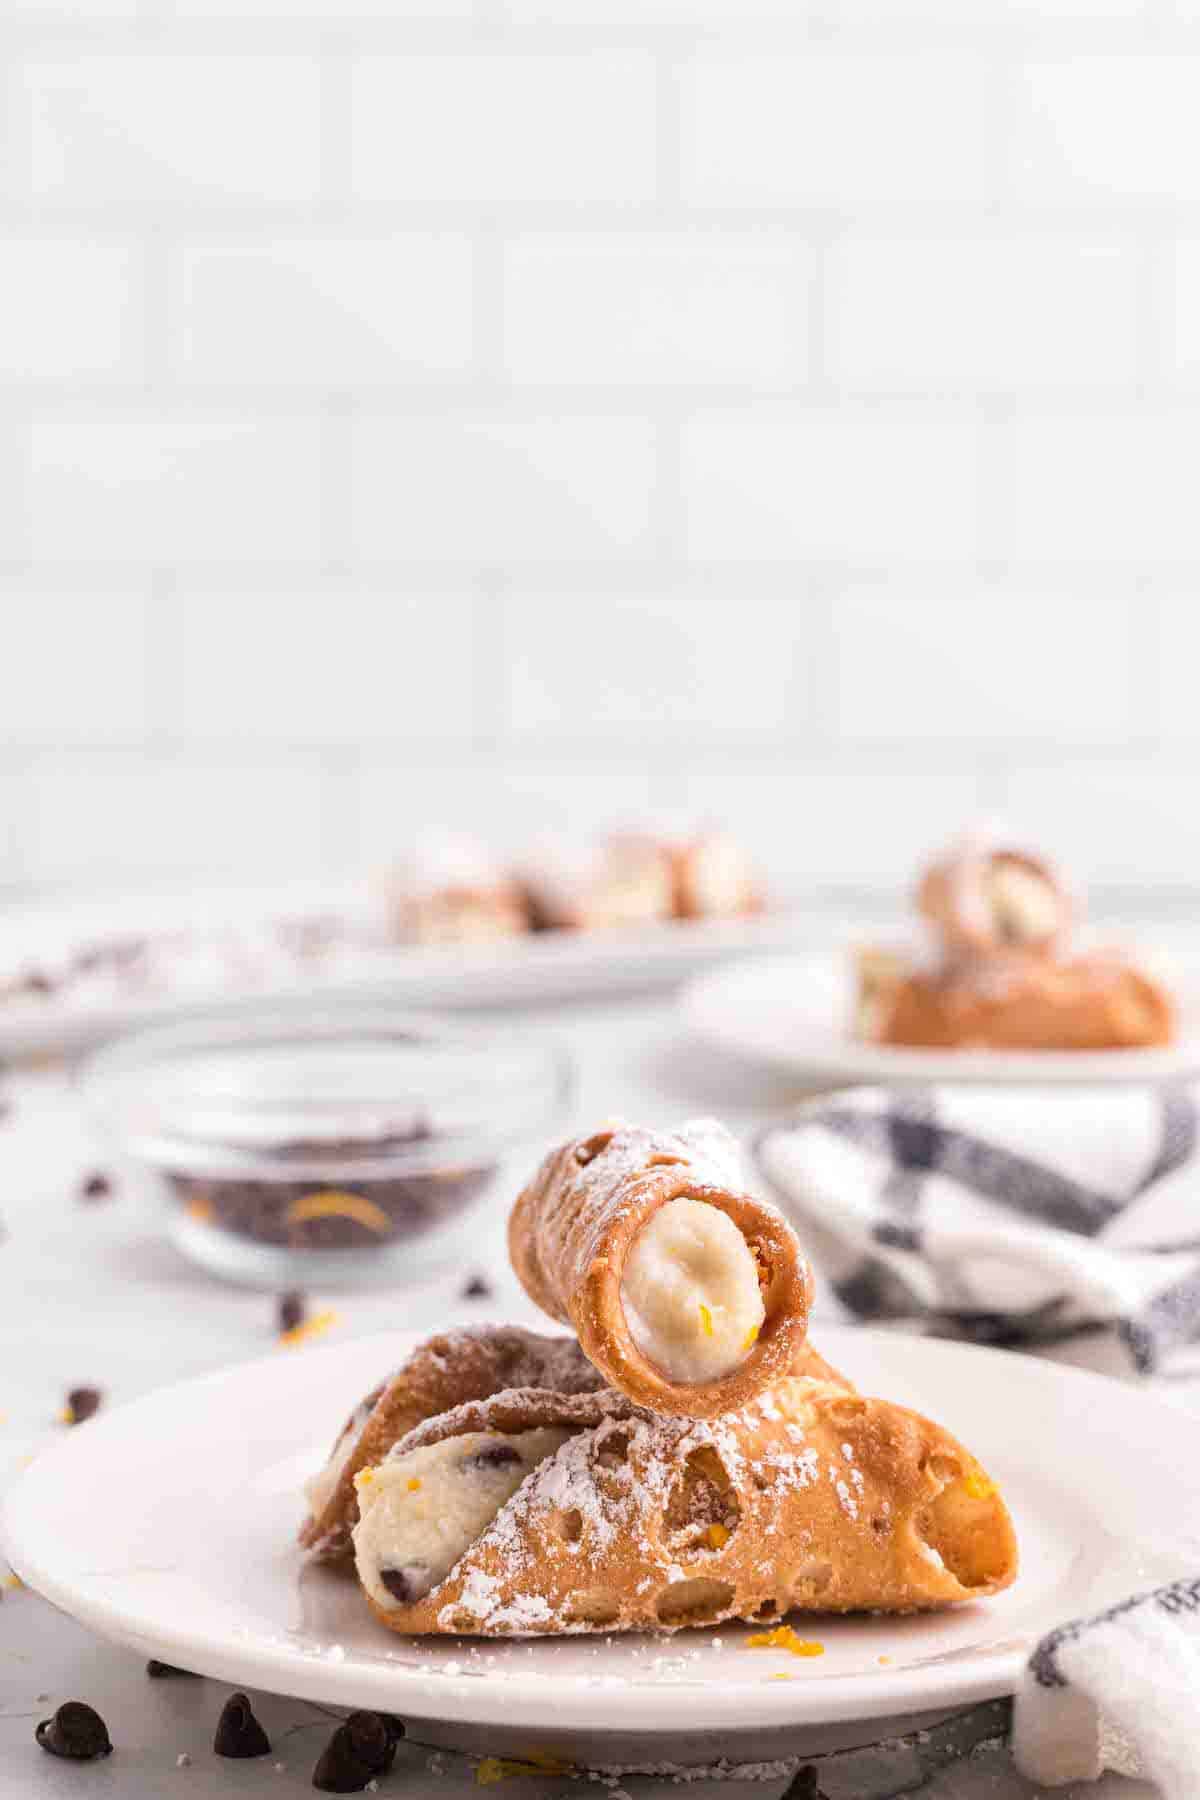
{"x":571,"y":1228}
{"x":448,"y":1369}
{"x":952,"y":896}
{"x":811,"y":1499}
{"x":1098,"y":1002}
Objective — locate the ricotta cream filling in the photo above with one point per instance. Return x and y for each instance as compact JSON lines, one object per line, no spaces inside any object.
{"x":1024,"y":906}
{"x":690,"y":1292}
{"x":420,"y":1512}
{"x":319,"y":1488}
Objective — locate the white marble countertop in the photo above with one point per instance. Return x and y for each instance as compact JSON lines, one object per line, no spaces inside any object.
{"x":93,"y":1294}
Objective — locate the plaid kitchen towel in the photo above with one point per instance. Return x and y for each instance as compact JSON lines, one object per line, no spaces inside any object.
{"x":1028,"y":1217}
{"x":1119,"y":1691}
{"x":1009,"y":1216}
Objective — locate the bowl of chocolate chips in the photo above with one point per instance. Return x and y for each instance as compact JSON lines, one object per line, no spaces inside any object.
{"x":345,"y":1147}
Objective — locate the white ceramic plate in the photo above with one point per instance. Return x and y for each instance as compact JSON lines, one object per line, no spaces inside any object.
{"x":169,"y":1524}
{"x":795,"y":1011}
{"x":523,"y":970}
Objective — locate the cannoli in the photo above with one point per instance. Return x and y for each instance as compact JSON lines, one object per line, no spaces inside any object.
{"x":442,"y":1373}
{"x":535,"y":1513}
{"x":450,"y":891}
{"x":712,"y":875}
{"x":1097,"y":1001}
{"x":879,"y":971}
{"x":981,"y":898}
{"x":624,"y":882}
{"x":688,"y":1294}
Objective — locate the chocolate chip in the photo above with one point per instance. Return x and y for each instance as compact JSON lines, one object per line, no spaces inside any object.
{"x":239,"y":1733}
{"x":82,"y":1402}
{"x":338,"y":1770}
{"x":374,"y":1737}
{"x":492,"y":1456}
{"x":803,"y":1785}
{"x":161,"y":1671}
{"x":96,"y":1186}
{"x":360,"y":1749}
{"x":77,"y":1731}
{"x":406,"y":1585}
{"x":292,"y":1308}
{"x":477,"y":1289}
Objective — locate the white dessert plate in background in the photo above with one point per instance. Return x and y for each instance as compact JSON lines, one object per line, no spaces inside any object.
{"x":169,"y":1525}
{"x":795,"y":1011}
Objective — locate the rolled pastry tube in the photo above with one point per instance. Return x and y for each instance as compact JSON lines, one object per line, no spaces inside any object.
{"x":687,"y":1293}
{"x":982,"y":899}
{"x":442,"y":1373}
{"x":1100,"y":1001}
{"x":533,"y":1514}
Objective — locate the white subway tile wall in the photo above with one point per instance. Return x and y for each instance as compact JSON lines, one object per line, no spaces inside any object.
{"x":530,"y":413}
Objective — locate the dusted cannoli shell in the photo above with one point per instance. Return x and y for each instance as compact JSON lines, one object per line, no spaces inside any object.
{"x":1095,"y":1002}
{"x":571,"y":1229}
{"x":811,"y":1499}
{"x":694,"y":896}
{"x":442,"y":1373}
{"x":953,"y":897}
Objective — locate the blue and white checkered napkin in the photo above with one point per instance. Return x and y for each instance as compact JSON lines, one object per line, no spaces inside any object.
{"x":1010,"y":1216}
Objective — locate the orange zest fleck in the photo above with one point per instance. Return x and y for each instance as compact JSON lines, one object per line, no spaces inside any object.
{"x":751,"y":1338}
{"x":12,"y":1581}
{"x":784,"y":1638}
{"x":199,"y":1208}
{"x":883,"y":1660}
{"x":330,"y":1204}
{"x":308,"y":1328}
{"x":978,"y":1485}
{"x":508,"y":1768}
{"x":718,"y":1536}
{"x":67,"y":1416}
{"x":364,"y":1478}
{"x":781,"y":1675}
{"x":706,"y":1321}
{"x":414,"y":1482}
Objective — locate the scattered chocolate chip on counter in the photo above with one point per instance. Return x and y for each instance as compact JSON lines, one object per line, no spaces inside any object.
{"x":76,"y":1731}
{"x":361,"y":1748}
{"x":239,"y":1733}
{"x":477,"y":1289}
{"x":292,"y":1309}
{"x":803,"y":1785}
{"x":96,"y":1186}
{"x":82,"y":1403}
{"x":161,"y":1671}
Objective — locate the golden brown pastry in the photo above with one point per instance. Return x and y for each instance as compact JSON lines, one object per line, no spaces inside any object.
{"x":689,"y":1295}
{"x":536,"y":1513}
{"x":623,"y":882}
{"x":451,"y":891}
{"x":442,"y":1373}
{"x":447,"y":1371}
{"x":982,"y":898}
{"x":1097,"y":1001}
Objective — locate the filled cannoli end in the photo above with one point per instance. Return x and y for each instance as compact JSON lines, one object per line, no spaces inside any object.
{"x":1024,"y":905}
{"x":809,"y":1500}
{"x":419,"y":1512}
{"x":320,"y":1488}
{"x":691,"y":1293}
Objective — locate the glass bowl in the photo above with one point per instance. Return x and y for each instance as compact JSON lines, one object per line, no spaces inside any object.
{"x":340,"y":1147}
